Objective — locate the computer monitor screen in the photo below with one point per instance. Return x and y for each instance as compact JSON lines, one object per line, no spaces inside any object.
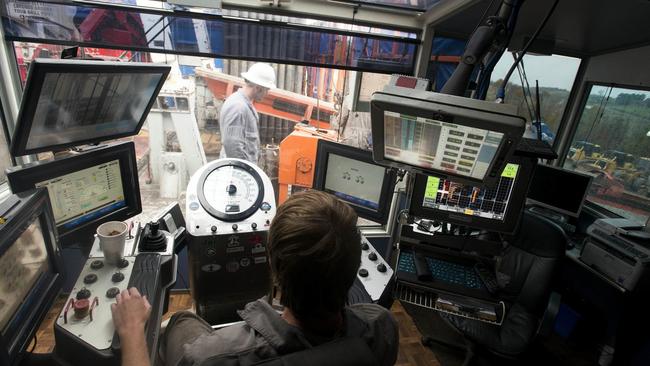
{"x":84,"y":195}
{"x":492,"y":208}
{"x":437,"y":145}
{"x":31,"y":270}
{"x":85,"y":189}
{"x":351,"y":175}
{"x":464,"y":139}
{"x":71,"y":102}
{"x":559,"y":189}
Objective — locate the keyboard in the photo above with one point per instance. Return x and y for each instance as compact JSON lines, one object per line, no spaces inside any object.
{"x":441,"y":270}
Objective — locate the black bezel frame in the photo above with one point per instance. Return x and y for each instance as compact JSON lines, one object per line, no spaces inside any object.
{"x":226,"y":216}
{"x":450,"y":109}
{"x":325,"y":148}
{"x":558,"y":209}
{"x":513,"y":211}
{"x":20,"y":211}
{"x":39,"y":68}
{"x":24,"y":178}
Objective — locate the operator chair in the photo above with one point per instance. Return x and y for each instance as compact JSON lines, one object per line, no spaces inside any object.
{"x":350,"y":351}
{"x":524,"y":275}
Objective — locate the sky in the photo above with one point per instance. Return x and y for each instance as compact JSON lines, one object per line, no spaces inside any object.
{"x":551,"y":71}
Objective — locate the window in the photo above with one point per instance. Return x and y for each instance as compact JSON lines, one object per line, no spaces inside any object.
{"x":612,"y":143}
{"x":5,"y":159}
{"x":199,"y":86}
{"x":555,"y":74}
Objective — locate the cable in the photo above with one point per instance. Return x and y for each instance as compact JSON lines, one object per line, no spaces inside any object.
{"x":501,"y":91}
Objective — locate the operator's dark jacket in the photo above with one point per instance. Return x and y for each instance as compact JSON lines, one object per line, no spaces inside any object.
{"x":188,"y":340}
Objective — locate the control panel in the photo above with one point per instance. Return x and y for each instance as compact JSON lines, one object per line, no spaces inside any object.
{"x":230,"y":205}
{"x":87,"y":312}
{"x":374,"y":272}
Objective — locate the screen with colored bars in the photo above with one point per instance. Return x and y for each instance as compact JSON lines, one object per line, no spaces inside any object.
{"x":85,"y":195}
{"x":354,"y":181}
{"x":439,"y":145}
{"x":443,"y":194}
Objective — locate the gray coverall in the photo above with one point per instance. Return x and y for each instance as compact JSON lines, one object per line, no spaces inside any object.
{"x":238,"y":123}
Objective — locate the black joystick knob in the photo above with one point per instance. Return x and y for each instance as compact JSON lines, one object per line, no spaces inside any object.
{"x":90,"y":278}
{"x":84,"y":293}
{"x":365,"y":246}
{"x":154,"y":239}
{"x":231,"y":189}
{"x":372,"y":256}
{"x":112,"y":292}
{"x":235,"y":227}
{"x":254,"y":226}
{"x":381,"y":267}
{"x":117,"y":277}
{"x":213,"y":228}
{"x":363,"y":272}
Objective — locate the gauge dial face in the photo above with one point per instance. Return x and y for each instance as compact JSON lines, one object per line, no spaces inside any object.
{"x":231,"y":190}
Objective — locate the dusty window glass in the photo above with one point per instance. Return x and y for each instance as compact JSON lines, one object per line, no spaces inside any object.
{"x":555,"y":75}
{"x":612,"y":143}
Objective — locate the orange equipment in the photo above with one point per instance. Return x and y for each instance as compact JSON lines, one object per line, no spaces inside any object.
{"x":298,"y":159}
{"x":277,"y":103}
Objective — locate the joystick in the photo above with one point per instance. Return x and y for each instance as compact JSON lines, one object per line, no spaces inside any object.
{"x":154,"y":239}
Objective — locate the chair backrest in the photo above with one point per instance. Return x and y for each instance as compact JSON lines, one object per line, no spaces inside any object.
{"x":341,"y":352}
{"x":526,"y":268}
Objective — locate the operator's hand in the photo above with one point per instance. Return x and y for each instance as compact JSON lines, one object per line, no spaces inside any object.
{"x":130,"y":312}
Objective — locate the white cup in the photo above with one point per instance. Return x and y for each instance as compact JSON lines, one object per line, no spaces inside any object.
{"x":112,"y":237}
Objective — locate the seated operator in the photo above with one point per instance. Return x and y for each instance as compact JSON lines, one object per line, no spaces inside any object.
{"x":314,"y":256}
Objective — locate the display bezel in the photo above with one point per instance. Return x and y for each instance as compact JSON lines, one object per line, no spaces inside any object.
{"x":513,"y":210}
{"x":24,"y":178}
{"x":39,"y":69}
{"x":448,"y":109}
{"x":325,"y":148}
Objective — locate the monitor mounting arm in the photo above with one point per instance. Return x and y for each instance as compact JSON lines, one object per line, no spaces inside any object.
{"x":493,"y":33}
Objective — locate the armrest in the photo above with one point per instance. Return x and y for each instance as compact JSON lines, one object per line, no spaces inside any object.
{"x":548,"y":319}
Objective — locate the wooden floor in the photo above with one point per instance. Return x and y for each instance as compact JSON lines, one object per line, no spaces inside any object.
{"x":411,"y":351}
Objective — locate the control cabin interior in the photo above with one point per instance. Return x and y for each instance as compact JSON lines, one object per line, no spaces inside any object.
{"x":497,"y":154}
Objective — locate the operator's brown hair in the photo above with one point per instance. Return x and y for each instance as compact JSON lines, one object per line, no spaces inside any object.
{"x":315,"y":252}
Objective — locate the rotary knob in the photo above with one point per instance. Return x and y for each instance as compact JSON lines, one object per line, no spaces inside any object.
{"x":112,"y":292}
{"x":90,"y":278}
{"x":381,"y":267}
{"x":117,"y":277}
{"x":365,"y":246}
{"x":372,"y":256}
{"x":363,"y":272}
{"x":84,"y":293}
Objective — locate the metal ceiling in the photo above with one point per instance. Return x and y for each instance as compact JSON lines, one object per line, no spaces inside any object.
{"x":577,"y":27}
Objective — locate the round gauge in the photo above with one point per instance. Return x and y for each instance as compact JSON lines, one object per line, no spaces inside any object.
{"x":230,"y":190}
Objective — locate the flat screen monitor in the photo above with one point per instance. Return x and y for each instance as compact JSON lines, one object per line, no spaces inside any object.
{"x":465,"y":139}
{"x":31,"y":270}
{"x":351,"y":175}
{"x":74,"y":102}
{"x":85,"y":189}
{"x":560,"y":190}
{"x":495,"y":208}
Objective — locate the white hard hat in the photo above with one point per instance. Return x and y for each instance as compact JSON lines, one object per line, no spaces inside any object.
{"x":261,"y":74}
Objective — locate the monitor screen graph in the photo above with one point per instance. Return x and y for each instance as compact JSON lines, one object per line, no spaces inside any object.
{"x":489,"y":203}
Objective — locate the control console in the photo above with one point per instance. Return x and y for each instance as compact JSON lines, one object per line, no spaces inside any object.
{"x":230,"y":205}
{"x":84,"y":330}
{"x":373,"y":278}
